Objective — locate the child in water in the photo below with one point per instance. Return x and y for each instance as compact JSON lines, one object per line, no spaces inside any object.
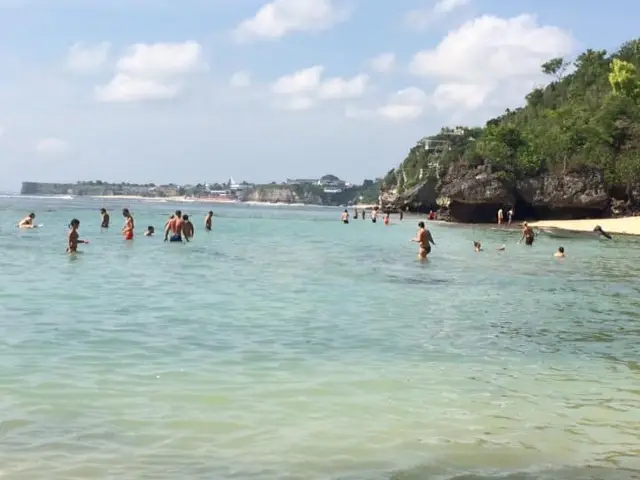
{"x":150,"y":231}
{"x":477,"y":246}
{"x":560,"y":253}
{"x":74,"y":237}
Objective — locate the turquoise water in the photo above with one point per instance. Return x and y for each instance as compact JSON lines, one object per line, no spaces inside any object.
{"x":285,"y":345}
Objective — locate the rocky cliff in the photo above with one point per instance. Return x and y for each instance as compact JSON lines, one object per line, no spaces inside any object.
{"x":282,"y":194}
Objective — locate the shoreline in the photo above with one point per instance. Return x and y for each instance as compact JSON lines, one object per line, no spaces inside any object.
{"x":618,"y":226}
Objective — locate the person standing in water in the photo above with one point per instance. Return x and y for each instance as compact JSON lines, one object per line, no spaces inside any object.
{"x":364,"y":213}
{"x":174,"y":227}
{"x":345,"y":216}
{"x":527,"y":234}
{"x":208,"y":221}
{"x":424,"y":239}
{"x":129,"y":224}
{"x":105,"y":218}
{"x":401,"y":214}
{"x":188,"y":230}
{"x":355,"y":213}
{"x":73,"y":238}
{"x":386,"y":218}
{"x":27,"y":222}
{"x":510,"y":216}
{"x":374,"y":215}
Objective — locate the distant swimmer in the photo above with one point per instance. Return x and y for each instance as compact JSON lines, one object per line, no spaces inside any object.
{"x":401,"y":214}
{"x":74,"y":237}
{"x":432,"y":215}
{"x":150,"y":231}
{"x":345,"y":216}
{"x":477,"y":246}
{"x":27,"y":222}
{"x":527,"y":234}
{"x":598,"y":229}
{"x":424,"y":239}
{"x":560,"y":253}
{"x":208,"y":221}
{"x":173,"y":228}
{"x":129,"y":224}
{"x":188,"y":230}
{"x":105,"y":218}
{"x":374,"y":216}
{"x":386,"y":218}
{"x":355,"y":213}
{"x":500,"y":216}
{"x":364,"y":214}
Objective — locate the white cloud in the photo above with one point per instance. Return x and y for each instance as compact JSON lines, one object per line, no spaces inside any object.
{"x":305,"y":88}
{"x":383,"y":63}
{"x":281,"y":17}
{"x":302,"y":81}
{"x":161,"y":59}
{"x":151,"y":72}
{"x":87,"y":58}
{"x":490,"y":55}
{"x":240,"y":79}
{"x":405,"y":104}
{"x":125,"y":88}
{"x":2,"y":131}
{"x":339,"y":88}
{"x":52,"y":146}
{"x":421,"y":18}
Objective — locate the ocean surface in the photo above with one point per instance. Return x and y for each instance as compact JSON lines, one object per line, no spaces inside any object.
{"x":286,"y":345}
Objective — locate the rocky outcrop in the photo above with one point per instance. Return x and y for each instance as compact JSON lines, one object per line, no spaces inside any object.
{"x":281,"y":194}
{"x":474,"y":195}
{"x":570,"y":195}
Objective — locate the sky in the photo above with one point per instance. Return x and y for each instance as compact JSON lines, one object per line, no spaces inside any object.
{"x":189,"y":91}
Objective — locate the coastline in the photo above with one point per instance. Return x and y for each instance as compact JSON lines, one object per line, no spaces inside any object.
{"x":619,"y":226}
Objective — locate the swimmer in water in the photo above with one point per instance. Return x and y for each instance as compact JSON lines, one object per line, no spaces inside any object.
{"x":374,"y":215}
{"x":174,"y":228}
{"x":188,"y":230}
{"x":424,"y":241}
{"x":208,"y":221}
{"x":129,"y":224}
{"x":598,"y":230}
{"x":345,"y":216}
{"x":560,"y":253}
{"x":150,"y":231}
{"x":27,"y":222}
{"x":527,"y":234}
{"x":386,"y":219}
{"x":105,"y":218}
{"x":477,"y":246}
{"x":355,"y":213}
{"x":74,"y":237}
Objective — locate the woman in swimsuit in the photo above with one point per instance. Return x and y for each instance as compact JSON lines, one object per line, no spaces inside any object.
{"x":74,"y":237}
{"x":424,"y":240}
{"x":345,"y":216}
{"x":129,"y":225}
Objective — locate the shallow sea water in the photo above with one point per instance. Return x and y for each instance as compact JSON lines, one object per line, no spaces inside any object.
{"x":285,"y":345}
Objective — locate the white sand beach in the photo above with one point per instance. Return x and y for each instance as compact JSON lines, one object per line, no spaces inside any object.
{"x":623,"y":225}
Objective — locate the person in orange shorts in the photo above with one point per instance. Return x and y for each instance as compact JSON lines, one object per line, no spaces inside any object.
{"x":129,"y":225}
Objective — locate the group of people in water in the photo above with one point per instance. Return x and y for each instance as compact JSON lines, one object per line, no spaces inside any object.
{"x":178,"y":228}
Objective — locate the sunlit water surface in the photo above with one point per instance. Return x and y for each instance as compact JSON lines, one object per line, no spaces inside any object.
{"x":285,"y":345}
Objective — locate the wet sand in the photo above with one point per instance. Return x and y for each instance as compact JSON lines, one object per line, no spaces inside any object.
{"x":624,"y":225}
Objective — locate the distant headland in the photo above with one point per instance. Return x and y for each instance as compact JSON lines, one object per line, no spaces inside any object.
{"x":327,"y":190}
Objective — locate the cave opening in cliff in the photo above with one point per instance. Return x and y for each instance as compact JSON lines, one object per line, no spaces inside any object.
{"x":523,"y":210}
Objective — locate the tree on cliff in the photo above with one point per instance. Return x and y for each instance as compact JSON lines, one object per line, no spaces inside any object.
{"x":588,"y":118}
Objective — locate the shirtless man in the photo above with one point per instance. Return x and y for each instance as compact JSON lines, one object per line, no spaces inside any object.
{"x":27,"y":222}
{"x":188,"y":230}
{"x":105,"y":218}
{"x":527,"y":234}
{"x":174,"y":227}
{"x":74,"y":237}
{"x":500,"y":216}
{"x":129,"y":224}
{"x":424,"y":239}
{"x":208,"y":221}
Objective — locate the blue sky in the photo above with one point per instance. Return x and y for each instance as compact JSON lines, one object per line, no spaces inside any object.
{"x":200,"y":90}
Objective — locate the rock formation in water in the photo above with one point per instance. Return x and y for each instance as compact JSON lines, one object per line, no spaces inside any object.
{"x":573,"y":151}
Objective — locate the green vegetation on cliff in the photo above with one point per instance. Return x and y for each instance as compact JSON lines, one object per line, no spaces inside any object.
{"x":589,"y":117}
